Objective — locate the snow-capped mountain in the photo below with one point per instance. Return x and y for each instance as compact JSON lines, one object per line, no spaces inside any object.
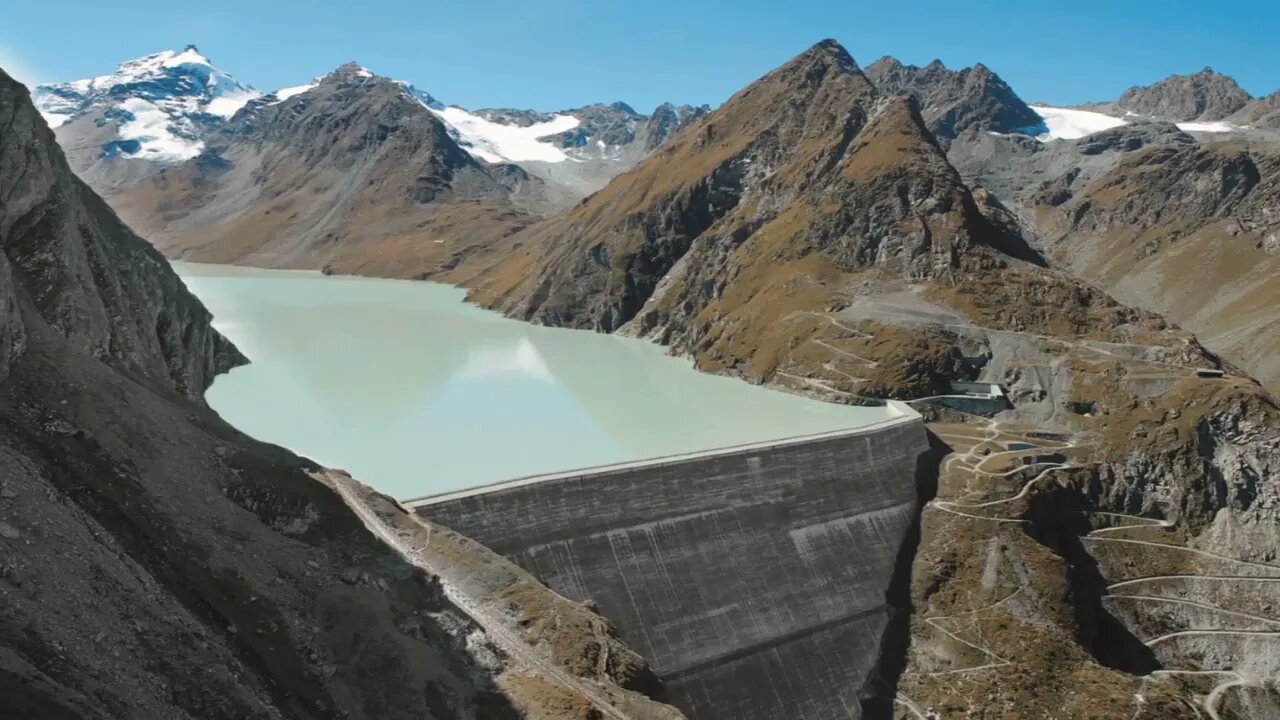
{"x":160,"y":105}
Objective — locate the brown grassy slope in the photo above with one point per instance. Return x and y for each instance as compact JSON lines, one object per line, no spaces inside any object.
{"x":599,"y":262}
{"x":1191,"y":232}
{"x":889,"y":204}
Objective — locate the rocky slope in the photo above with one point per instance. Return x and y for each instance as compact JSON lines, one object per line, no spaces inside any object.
{"x":157,"y":563}
{"x":1263,"y":112}
{"x":1205,"y":95}
{"x":770,"y":207}
{"x":1181,"y":226}
{"x":952,"y":101}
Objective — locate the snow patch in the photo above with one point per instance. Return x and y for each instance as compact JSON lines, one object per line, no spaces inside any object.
{"x":153,"y":128}
{"x":496,"y":142}
{"x":1208,"y":127}
{"x":168,"y":95}
{"x":285,"y":93}
{"x":190,"y":56}
{"x":1071,"y":124}
{"x":227,"y":105}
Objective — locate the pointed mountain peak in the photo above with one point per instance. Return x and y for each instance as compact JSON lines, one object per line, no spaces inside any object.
{"x":352,"y":69}
{"x":160,"y":105}
{"x":827,"y":52}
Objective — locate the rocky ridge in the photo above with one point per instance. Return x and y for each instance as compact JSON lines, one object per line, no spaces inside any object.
{"x":611,"y":127}
{"x":1205,"y":95}
{"x":161,"y":111}
{"x":953,"y":101}
{"x":159,"y":563}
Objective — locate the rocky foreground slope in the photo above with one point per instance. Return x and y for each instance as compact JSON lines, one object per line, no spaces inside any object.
{"x":154,"y":562}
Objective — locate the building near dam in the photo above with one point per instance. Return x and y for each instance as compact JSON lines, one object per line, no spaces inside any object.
{"x":756,"y":579}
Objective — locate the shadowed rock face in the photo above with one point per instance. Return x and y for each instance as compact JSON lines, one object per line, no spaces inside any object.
{"x":90,"y":279}
{"x":1205,"y":95}
{"x":952,"y":101}
{"x":154,"y":562}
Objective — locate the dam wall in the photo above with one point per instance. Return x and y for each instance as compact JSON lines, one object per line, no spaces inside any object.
{"x":752,"y":578}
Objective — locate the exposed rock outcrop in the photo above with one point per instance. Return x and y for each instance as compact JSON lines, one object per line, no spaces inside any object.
{"x":101,"y":287}
{"x":953,"y":101}
{"x":1205,"y":95}
{"x":1162,"y":221}
{"x":1262,"y":112}
{"x":154,"y":562}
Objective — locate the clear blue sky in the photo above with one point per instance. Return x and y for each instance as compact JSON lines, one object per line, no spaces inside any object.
{"x":554,"y":54}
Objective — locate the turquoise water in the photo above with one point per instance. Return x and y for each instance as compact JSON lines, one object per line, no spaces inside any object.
{"x":415,"y":392}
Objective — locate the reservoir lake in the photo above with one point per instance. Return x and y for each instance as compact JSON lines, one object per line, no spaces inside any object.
{"x":415,"y":392}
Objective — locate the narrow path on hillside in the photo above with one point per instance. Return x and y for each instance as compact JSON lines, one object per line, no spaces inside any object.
{"x":975,"y":460}
{"x":494,"y":626}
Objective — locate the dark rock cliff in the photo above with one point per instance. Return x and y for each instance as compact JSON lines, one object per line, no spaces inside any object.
{"x":89,"y":278}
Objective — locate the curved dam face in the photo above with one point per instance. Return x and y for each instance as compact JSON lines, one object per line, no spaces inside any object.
{"x":752,"y":578}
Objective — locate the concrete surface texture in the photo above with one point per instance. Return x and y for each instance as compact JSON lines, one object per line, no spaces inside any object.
{"x":753,"y":579}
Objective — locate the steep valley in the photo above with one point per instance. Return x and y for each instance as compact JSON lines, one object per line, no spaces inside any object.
{"x":1101,"y":539}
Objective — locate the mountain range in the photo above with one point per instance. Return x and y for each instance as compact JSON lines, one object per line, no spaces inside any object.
{"x":843,"y":233}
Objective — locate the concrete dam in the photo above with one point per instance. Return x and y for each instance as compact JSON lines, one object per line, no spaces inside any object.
{"x":753,"y":578}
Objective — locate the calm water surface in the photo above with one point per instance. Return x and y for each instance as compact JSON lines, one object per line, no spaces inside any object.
{"x":415,"y":392}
